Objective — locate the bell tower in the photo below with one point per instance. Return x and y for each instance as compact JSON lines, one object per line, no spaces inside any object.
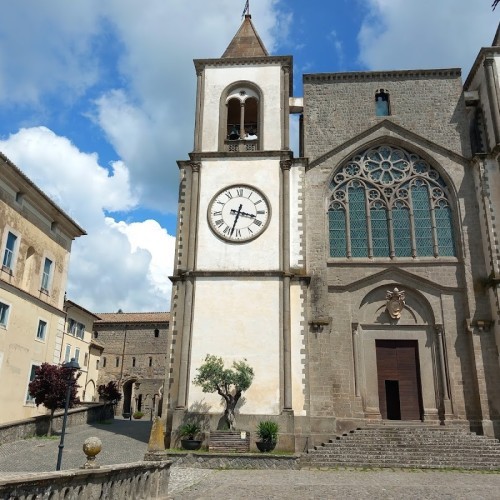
{"x":239,"y":239}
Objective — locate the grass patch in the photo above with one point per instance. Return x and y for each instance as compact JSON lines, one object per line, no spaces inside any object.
{"x":45,"y":438}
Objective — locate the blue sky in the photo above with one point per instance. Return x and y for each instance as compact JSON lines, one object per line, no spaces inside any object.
{"x":97,"y":104}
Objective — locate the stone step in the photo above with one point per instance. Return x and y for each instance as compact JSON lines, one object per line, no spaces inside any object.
{"x":407,"y":446}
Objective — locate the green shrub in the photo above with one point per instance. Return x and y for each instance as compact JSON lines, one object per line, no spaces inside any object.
{"x":188,"y":430}
{"x":267,"y":430}
{"x":138,"y":414}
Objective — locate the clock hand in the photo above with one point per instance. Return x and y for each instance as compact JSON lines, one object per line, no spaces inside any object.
{"x":235,"y":219}
{"x":243,"y":214}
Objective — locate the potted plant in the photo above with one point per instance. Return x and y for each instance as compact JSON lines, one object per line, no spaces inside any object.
{"x":138,"y":414}
{"x":187,"y":433}
{"x":267,"y":431}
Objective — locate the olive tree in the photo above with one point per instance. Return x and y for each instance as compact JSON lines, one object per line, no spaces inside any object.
{"x":229,"y":383}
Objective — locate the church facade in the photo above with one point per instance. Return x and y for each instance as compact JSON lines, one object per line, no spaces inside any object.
{"x":360,"y":280}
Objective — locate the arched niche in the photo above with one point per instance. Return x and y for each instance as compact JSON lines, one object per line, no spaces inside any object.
{"x":241,"y":121}
{"x":398,"y":322}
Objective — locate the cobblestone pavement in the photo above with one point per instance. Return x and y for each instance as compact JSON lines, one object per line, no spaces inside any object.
{"x":126,"y":441}
{"x":123,"y":441}
{"x":343,"y":484}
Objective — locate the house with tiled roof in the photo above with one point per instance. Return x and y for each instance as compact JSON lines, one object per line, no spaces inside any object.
{"x":134,"y":356}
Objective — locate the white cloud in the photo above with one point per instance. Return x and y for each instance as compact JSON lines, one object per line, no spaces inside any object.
{"x":46,"y":47}
{"x":400,"y":34}
{"x":150,"y":123}
{"x":117,"y":265}
{"x":128,"y":66}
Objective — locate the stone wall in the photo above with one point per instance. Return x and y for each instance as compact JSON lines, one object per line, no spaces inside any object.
{"x":38,"y":426}
{"x":339,"y":106}
{"x":141,"y":480}
{"x":234,"y":461}
{"x":134,"y":352}
{"x":427,"y":118}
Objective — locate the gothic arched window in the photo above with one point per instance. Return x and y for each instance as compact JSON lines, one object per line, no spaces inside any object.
{"x":387,"y":202}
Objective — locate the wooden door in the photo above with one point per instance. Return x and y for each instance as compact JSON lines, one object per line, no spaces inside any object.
{"x":399,"y":379}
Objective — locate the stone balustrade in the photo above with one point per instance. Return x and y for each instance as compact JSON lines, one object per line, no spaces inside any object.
{"x":140,"y":480}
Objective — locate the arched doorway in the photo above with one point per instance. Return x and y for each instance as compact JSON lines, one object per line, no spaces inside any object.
{"x":397,"y":356}
{"x":128,"y":387}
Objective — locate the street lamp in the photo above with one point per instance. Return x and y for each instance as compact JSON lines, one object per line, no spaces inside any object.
{"x":72,"y":367}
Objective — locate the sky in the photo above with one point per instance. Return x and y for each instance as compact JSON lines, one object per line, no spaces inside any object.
{"x":97,"y":105}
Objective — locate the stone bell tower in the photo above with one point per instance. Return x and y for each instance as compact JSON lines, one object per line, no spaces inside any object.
{"x":239,"y":240}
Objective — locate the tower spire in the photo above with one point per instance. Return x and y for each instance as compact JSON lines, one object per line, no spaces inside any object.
{"x":246,"y":42}
{"x":246,"y":9}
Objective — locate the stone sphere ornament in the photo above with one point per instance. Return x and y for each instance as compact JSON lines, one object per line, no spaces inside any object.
{"x":92,"y":446}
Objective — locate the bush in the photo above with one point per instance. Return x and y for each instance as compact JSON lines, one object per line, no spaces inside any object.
{"x":138,"y":414}
{"x":267,"y":430}
{"x":189,"y":430}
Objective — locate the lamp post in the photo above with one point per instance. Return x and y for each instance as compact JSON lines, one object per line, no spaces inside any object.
{"x":72,"y":367}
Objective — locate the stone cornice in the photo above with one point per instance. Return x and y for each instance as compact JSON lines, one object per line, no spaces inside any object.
{"x":286,"y":63}
{"x":484,"y":52}
{"x":22,"y":184}
{"x":200,"y":64}
{"x":380,"y":75}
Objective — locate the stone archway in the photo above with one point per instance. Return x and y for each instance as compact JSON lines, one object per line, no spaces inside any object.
{"x":128,"y":393}
{"x":399,"y":367}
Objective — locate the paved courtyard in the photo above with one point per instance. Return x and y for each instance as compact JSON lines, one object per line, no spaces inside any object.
{"x":126,"y":441}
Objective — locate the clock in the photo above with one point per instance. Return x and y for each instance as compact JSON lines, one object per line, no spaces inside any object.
{"x":239,"y":213}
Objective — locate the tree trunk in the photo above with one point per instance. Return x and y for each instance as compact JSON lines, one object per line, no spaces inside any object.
{"x":231,"y":402}
{"x":49,"y":432}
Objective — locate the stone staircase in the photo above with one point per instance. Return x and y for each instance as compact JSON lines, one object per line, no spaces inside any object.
{"x":412,"y":446}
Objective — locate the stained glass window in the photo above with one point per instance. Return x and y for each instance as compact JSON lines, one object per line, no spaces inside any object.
{"x":388,"y":202}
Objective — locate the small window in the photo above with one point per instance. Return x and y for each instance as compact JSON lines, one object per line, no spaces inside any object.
{"x":382,"y":104}
{"x":117,"y":362}
{"x":96,"y":335}
{"x":157,"y":332}
{"x":4,"y":314}
{"x":47,"y":271}
{"x":77,"y":354}
{"x":10,"y":247}
{"x":67,"y":354}
{"x":42,"y":330}
{"x":29,"y":398}
{"x":150,"y":361}
{"x":104,"y":362}
{"x":97,"y":364}
{"x":133,"y":362}
{"x":86,"y":360}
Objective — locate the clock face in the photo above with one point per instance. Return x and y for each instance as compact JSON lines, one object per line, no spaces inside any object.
{"x":239,"y":213}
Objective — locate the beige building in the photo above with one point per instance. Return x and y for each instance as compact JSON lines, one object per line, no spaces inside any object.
{"x":134,"y":356}
{"x":79,"y":344}
{"x":361,"y":280}
{"x":35,"y":245}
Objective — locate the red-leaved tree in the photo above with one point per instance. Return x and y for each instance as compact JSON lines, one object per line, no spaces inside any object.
{"x":50,"y":386}
{"x":109,"y":392}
